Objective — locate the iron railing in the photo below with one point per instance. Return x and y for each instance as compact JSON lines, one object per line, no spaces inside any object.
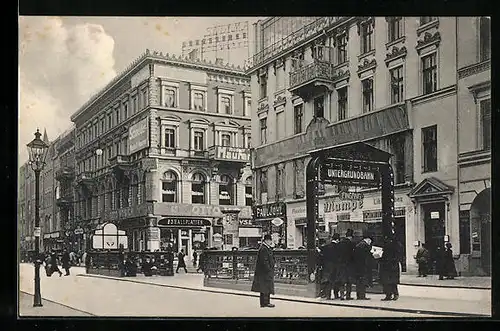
{"x":312,"y":71}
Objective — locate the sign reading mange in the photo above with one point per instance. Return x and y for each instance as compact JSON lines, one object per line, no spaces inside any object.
{"x":138,"y":136}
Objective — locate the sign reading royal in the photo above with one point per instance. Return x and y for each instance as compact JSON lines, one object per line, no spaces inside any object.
{"x":350,"y":173}
{"x":138,"y":136}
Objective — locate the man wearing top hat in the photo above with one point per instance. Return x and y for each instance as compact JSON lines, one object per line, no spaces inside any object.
{"x":363,"y":261}
{"x":263,"y":280}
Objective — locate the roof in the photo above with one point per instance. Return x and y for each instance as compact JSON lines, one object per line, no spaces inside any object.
{"x":431,"y":186}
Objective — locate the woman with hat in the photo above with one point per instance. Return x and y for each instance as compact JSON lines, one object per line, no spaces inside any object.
{"x":363,"y":261}
{"x":263,"y":280}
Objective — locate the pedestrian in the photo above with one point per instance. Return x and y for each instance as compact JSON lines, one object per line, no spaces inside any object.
{"x":201,"y":262}
{"x":363,"y":262}
{"x":331,"y":261}
{"x":147,"y":267}
{"x":53,"y":263}
{"x":439,"y":261}
{"x":450,"y":271}
{"x":65,"y":259}
{"x":180,"y":261}
{"x":422,"y":259}
{"x":346,"y":273}
{"x":263,"y":280}
{"x":195,"y":258}
{"x":48,"y":265}
{"x":322,"y":276}
{"x":389,"y":269}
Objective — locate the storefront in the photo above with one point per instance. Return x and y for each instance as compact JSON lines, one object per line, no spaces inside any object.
{"x":52,"y":241}
{"x":272,"y":218}
{"x":297,"y":224}
{"x":181,"y":234}
{"x":249,"y":234}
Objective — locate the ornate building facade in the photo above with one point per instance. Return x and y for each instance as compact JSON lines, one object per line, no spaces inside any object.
{"x":390,"y":82}
{"x":163,"y":151}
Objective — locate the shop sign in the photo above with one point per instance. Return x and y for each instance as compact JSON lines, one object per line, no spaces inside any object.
{"x":378,"y":200}
{"x":246,"y":223}
{"x":334,"y":205}
{"x":301,"y":221}
{"x":154,"y":233}
{"x":189,"y":210}
{"x":37,"y":232}
{"x":183,"y":222}
{"x":230,"y":153}
{"x":377,"y":214}
{"x":277,"y":209}
{"x":350,"y":173}
{"x":138,"y":136}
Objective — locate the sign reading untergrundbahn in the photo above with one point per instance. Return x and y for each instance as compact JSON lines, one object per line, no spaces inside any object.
{"x":350,"y":173}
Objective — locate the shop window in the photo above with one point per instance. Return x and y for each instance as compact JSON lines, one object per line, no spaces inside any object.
{"x":226,"y":190}
{"x":429,"y":139}
{"x":169,"y":187}
{"x":367,"y":86}
{"x":298,"y":115}
{"x":342,"y":103}
{"x":429,"y":73}
{"x":319,"y":107}
{"x":198,"y":188}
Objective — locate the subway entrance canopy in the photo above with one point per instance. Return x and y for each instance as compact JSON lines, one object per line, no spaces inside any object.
{"x":357,"y":165}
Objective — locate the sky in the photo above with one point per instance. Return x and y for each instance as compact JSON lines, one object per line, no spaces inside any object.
{"x":63,"y":61}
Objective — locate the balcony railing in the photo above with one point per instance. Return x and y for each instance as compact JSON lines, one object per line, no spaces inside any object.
{"x":314,"y":71}
{"x":65,"y":173}
{"x":84,"y":176}
{"x":228,"y":153}
{"x":307,"y":31}
{"x":119,"y":160}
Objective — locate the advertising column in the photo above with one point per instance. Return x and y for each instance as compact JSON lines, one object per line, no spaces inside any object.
{"x":230,"y":228}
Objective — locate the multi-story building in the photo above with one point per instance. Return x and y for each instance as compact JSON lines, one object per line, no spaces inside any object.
{"x":64,"y":172}
{"x":163,"y":151}
{"x":23,"y":227}
{"x":388,"y":82}
{"x":474,"y":144}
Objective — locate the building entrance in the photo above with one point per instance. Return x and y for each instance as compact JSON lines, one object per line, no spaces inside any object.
{"x":434,"y":228}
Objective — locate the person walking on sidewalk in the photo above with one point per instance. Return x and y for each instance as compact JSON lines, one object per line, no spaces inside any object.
{"x":65,"y":260}
{"x":389,"y":269}
{"x":263,"y":280}
{"x":53,"y":264}
{"x":195,"y":258}
{"x":450,"y":271}
{"x":422,"y":259}
{"x":180,"y":261}
{"x":346,"y":272}
{"x":363,"y":262}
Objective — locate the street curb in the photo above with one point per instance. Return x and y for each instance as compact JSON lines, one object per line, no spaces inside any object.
{"x":403,"y":310}
{"x":56,"y":303}
{"x":449,"y":286}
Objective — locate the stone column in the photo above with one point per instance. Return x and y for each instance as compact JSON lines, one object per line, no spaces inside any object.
{"x":189,"y":252}
{"x":179,"y":240}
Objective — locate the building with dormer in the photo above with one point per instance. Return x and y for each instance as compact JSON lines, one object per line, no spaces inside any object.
{"x":163,"y":151}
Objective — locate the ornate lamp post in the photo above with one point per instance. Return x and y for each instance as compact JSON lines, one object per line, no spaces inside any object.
{"x":37,"y":149}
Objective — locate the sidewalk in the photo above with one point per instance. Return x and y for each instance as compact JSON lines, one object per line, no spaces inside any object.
{"x":49,"y":309}
{"x":412,"y":304}
{"x":459,"y":282}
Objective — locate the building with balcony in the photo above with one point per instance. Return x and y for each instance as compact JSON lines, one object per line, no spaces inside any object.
{"x":390,"y":82}
{"x":474,"y":144}
{"x":163,"y":152}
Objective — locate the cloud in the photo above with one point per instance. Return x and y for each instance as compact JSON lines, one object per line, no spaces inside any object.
{"x":61,"y":66}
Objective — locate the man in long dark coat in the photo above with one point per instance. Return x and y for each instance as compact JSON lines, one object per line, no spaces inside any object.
{"x":180,"y":261}
{"x":346,"y":265}
{"x":363,"y":263}
{"x":389,"y":269}
{"x":263,"y":280}
{"x":331,"y":267}
{"x":65,"y":260}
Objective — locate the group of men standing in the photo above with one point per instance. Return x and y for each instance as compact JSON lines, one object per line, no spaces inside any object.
{"x":344,"y":263}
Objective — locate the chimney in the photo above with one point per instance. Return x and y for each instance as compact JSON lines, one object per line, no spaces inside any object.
{"x":219,"y":61}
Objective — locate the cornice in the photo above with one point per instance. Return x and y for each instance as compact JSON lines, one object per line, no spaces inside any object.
{"x":395,"y":54}
{"x":366,"y":65}
{"x":474,"y":69}
{"x":428,"y":40}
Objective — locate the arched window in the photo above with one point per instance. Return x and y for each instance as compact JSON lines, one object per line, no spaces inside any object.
{"x":198,"y":188}
{"x":226,"y":190}
{"x":248,"y":191}
{"x":169,"y":187}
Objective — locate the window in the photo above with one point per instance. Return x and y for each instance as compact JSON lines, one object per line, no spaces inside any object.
{"x":226,"y":105}
{"x":298,"y":115}
{"x":169,"y":98}
{"x":170,"y":138}
{"x":226,"y":190}
{"x":280,"y":182}
{"x":263,"y":130}
{"x":248,"y":107}
{"x":198,"y":188}
{"x":226,"y":139}
{"x":248,"y":194}
{"x":199,"y":141}
{"x":485,"y":38}
{"x":429,"y":73}
{"x":169,"y":187}
{"x":117,"y":115}
{"x":398,"y":148}
{"x":199,"y":101}
{"x":263,"y":86}
{"x":426,"y":19}
{"x":367,"y":86}
{"x":263,"y":181}
{"x":280,"y":125}
{"x":249,"y":141}
{"x":342,"y":103}
{"x":145,"y":99}
{"x":396,"y":84}
{"x":395,"y":28}
{"x":125,"y":111}
{"x":366,"y":38}
{"x":429,"y":138}
{"x":319,"y":106}
{"x":110,"y":122}
{"x":342,"y":49}
{"x":135,"y":104}
{"x":298,"y":60}
{"x":485,"y":106}
{"x":280,"y":79}
{"x":464,"y":232}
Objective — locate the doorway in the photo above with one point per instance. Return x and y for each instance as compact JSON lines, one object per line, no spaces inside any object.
{"x":434,"y":223}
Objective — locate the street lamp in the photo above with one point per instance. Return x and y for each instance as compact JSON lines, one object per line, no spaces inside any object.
{"x":37,"y":150}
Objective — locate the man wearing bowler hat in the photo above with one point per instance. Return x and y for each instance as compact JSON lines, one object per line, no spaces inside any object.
{"x":363,"y":263}
{"x":263,"y":280}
